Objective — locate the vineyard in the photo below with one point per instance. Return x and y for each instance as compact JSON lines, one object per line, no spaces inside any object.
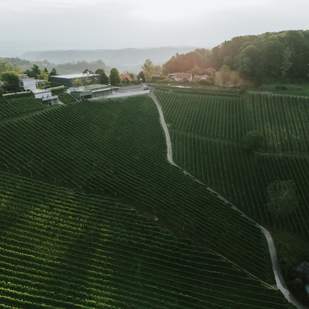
{"x":207,"y":135}
{"x":108,"y":158}
{"x":61,"y":249}
{"x":66,"y":98}
{"x":14,"y":105}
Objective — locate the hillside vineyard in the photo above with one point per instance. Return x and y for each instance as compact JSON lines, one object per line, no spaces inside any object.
{"x":74,"y":183}
{"x":207,"y":134}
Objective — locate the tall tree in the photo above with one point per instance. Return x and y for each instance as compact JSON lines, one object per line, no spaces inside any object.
{"x":53,"y":72}
{"x":103,"y":76}
{"x":148,"y":70}
{"x":43,"y":75}
{"x":282,"y":199}
{"x":114,"y":77}
{"x":141,"y":77}
{"x":35,"y":71}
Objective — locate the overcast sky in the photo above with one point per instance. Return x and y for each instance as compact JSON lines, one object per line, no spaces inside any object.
{"x":93,"y":24}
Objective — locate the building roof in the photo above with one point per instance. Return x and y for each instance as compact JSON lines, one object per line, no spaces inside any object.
{"x":182,"y":75}
{"x":124,"y":76}
{"x":75,"y":75}
{"x":198,"y":77}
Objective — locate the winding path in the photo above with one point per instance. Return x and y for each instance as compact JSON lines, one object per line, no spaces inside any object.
{"x":271,"y":247}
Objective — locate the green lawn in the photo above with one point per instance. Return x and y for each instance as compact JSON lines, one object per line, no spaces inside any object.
{"x":292,"y":89}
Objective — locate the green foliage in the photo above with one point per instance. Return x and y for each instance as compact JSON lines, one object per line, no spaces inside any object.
{"x":59,"y":90}
{"x":103,"y":76}
{"x":11,"y":80}
{"x":265,"y":57}
{"x":67,"y":98}
{"x":8,"y":67}
{"x":77,"y":83}
{"x":53,"y":72}
{"x":80,"y":66}
{"x":34,"y":71}
{"x":207,"y":137}
{"x":254,"y":141}
{"x":60,"y":249}
{"x":43,"y":75}
{"x":298,"y":285}
{"x":148,"y":69}
{"x":86,"y":70}
{"x":114,"y":77}
{"x":134,"y":167}
{"x":156,"y":78}
{"x":141,"y":77}
{"x":282,"y":199}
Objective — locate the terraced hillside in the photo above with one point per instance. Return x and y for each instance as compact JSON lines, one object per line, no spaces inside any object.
{"x":14,"y":105}
{"x":61,"y":249}
{"x":207,"y":135}
{"x":106,"y":158}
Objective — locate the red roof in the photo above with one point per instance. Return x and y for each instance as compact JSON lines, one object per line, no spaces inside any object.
{"x":124,"y":76}
{"x":198,"y":77}
{"x":182,"y":75}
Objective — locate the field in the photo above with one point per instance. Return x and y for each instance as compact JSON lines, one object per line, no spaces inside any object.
{"x":207,"y":135}
{"x":290,"y":89}
{"x":64,"y":250}
{"x":75,"y":180}
{"x":94,"y":216}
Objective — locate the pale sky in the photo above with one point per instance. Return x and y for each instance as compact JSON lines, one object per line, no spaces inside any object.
{"x":93,"y":24}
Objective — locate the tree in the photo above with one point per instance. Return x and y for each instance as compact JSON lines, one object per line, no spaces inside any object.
{"x":11,"y":80}
{"x":133,"y":76}
{"x":141,"y":76}
{"x":43,"y":75}
{"x":282,"y":199}
{"x":53,"y":72}
{"x":114,"y":77}
{"x":85,"y":71}
{"x":254,"y":141}
{"x":157,"y":69}
{"x":103,"y":76}
{"x":34,"y":71}
{"x":286,"y":63}
{"x":77,"y":83}
{"x":85,"y":81}
{"x":148,"y":70}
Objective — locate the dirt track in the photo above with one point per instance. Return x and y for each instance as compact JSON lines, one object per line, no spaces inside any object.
{"x":271,"y":247}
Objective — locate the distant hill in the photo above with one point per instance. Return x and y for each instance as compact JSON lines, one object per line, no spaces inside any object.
{"x":123,"y":59}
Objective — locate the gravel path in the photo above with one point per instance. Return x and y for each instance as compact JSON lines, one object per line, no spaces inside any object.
{"x":271,"y":247}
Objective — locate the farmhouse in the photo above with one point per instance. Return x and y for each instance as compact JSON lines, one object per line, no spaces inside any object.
{"x":125,"y":78}
{"x":68,"y":79}
{"x":200,"y":77}
{"x":179,"y":77}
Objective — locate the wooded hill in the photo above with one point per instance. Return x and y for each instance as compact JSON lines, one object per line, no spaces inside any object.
{"x":272,"y":56}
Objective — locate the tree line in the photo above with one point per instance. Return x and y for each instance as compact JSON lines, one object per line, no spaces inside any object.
{"x":269,"y":57}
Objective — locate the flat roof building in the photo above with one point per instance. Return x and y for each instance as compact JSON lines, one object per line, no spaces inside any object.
{"x":68,"y":79}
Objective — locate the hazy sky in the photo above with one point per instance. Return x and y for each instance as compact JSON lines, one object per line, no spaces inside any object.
{"x":92,"y":24}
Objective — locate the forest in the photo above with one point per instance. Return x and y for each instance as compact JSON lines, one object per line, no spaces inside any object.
{"x":269,"y":57}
